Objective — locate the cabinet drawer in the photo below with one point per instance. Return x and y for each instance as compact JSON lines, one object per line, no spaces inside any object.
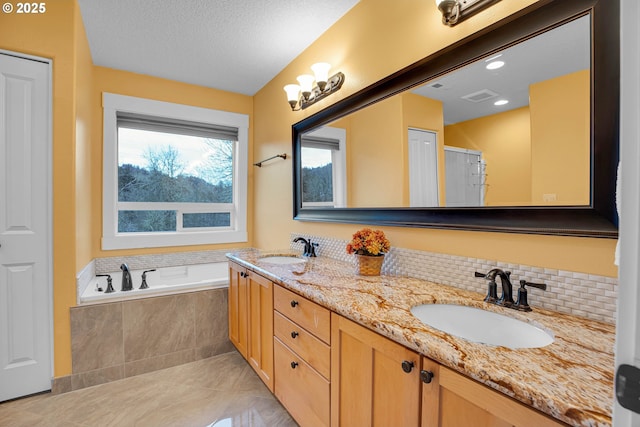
{"x":311,"y":316}
{"x":311,"y":349}
{"x":301,"y":390}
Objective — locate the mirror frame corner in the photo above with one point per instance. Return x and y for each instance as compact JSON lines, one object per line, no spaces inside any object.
{"x":599,"y":219}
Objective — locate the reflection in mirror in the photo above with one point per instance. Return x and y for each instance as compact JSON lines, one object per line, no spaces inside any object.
{"x":323,"y":155}
{"x":510,"y":129}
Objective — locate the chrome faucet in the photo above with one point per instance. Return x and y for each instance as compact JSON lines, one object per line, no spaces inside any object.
{"x":309,"y":248}
{"x":127,"y":283}
{"x":506,"y":299}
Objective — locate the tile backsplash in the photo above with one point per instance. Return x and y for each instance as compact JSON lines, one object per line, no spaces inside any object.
{"x":584,"y":295}
{"x":140,"y":262}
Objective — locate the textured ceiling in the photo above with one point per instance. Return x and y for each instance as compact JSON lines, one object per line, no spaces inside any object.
{"x":233,"y":45}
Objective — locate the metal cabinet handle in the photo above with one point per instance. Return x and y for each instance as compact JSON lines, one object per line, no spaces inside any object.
{"x":294,"y":334}
{"x":407,"y":366}
{"x":293,"y":365}
{"x":294,"y":303}
{"x":426,"y":376}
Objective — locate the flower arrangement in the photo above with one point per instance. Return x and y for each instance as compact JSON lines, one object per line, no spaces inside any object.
{"x":368,"y":242}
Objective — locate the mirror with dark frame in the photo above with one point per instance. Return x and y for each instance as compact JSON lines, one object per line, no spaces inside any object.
{"x":446,"y":157}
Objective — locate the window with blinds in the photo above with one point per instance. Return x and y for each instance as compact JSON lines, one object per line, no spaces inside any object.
{"x":174,"y":175}
{"x":318,"y":170}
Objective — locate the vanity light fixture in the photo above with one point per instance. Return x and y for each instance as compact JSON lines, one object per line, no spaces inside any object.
{"x":454,"y":11}
{"x":305,"y":93}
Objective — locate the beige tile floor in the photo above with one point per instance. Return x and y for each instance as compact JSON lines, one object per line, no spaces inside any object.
{"x":222,"y":391}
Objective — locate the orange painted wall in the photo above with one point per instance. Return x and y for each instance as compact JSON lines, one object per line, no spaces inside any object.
{"x":143,"y":86}
{"x":370,"y":42}
{"x":77,"y":144}
{"x":560,"y":118}
{"x":377,"y":144}
{"x":425,"y":114}
{"x":375,"y":157}
{"x":84,"y":147}
{"x":505,"y":142}
{"x":52,"y":35}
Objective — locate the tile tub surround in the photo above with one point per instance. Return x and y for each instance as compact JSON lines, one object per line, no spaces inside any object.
{"x":585,"y":295}
{"x":122,"y":339}
{"x":142,"y":262}
{"x":571,"y":379}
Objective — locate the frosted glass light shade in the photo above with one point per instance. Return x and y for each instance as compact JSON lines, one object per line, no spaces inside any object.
{"x":321,"y":71}
{"x":293,"y":92}
{"x":293,"y":95}
{"x":306,"y":84}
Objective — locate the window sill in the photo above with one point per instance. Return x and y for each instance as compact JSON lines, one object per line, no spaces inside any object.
{"x":146,"y":240}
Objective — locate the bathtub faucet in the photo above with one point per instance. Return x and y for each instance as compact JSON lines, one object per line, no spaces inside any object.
{"x":127,"y":283}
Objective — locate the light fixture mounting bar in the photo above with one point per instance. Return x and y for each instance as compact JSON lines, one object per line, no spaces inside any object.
{"x":334,"y":83}
{"x":466,"y":9}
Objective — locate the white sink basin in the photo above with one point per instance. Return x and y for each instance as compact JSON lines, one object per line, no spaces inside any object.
{"x":283,"y":259}
{"x":482,"y":326}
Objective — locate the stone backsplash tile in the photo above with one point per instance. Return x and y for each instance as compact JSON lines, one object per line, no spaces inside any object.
{"x":122,"y":339}
{"x":579,"y":294}
{"x":211,"y":323}
{"x":140,"y":262}
{"x":158,"y":326}
{"x":96,"y":337}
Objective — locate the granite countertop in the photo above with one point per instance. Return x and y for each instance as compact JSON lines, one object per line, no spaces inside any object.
{"x":570,"y":379}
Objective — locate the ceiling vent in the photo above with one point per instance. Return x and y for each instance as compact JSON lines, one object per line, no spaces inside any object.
{"x":436,"y":85}
{"x":479,"y":96}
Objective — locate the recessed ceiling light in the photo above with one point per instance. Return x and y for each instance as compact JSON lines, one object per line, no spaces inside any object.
{"x":501,"y":102}
{"x":495,"y":65}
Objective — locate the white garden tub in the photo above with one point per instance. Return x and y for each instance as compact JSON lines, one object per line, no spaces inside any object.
{"x":163,"y":281}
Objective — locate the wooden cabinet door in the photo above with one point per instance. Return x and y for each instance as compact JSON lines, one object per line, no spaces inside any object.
{"x":300,"y":388}
{"x":260,"y":350}
{"x":453,"y":400}
{"x":238,"y":308}
{"x":369,"y":385}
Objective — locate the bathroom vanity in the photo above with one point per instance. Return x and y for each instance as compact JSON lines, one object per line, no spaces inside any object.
{"x":340,"y":349}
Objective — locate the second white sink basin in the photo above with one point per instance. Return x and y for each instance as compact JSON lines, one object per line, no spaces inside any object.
{"x":481,"y":326}
{"x":282,"y":259}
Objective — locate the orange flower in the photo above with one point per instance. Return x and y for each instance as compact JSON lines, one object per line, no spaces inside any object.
{"x":368,"y":242}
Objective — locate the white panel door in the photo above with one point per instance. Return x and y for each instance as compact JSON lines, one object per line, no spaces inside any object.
{"x":25,"y":248}
{"x":423,"y":168}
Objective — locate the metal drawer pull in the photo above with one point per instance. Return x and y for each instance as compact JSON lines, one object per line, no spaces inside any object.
{"x":294,"y":303}
{"x":294,"y":334}
{"x":293,"y":365}
{"x":407,"y":366}
{"x":426,"y":376}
